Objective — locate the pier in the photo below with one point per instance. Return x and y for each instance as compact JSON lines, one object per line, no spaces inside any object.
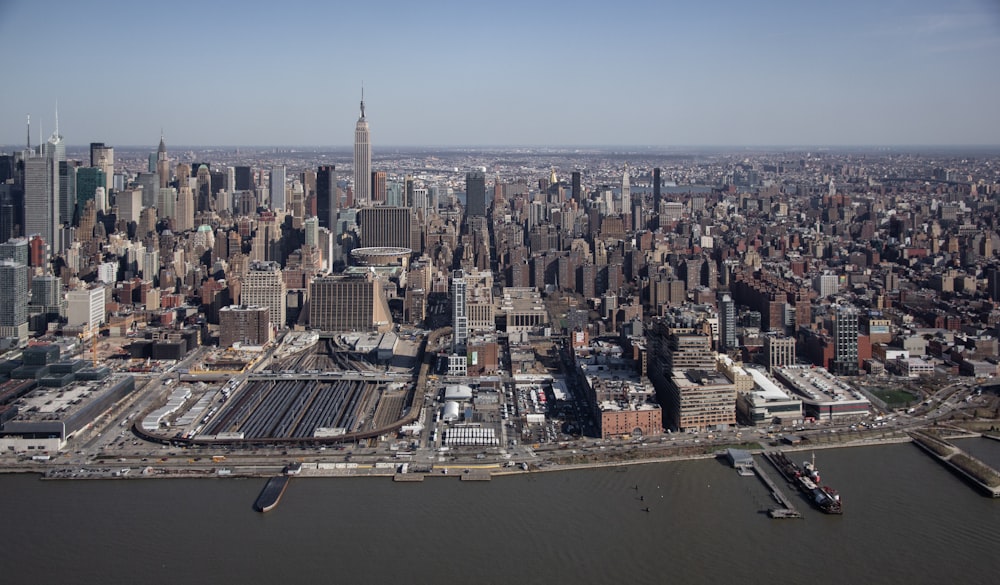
{"x":785,"y":508}
{"x":975,"y":472}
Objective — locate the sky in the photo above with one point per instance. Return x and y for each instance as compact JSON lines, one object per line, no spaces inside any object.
{"x":459,"y":73}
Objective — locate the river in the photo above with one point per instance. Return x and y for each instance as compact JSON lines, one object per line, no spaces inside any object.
{"x":907,"y":520}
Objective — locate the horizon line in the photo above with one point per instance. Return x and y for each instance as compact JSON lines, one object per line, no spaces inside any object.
{"x":564,"y":146}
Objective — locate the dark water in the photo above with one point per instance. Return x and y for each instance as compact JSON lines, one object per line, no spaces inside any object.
{"x":907,"y":520}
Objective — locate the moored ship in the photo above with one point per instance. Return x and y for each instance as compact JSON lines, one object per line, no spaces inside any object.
{"x":807,"y":479}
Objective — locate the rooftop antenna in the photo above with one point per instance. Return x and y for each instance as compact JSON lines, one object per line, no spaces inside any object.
{"x":362,"y":99}
{"x":57,"y":119}
{"x":29,"y":131}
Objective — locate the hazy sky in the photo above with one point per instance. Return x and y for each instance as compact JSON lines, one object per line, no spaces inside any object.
{"x":625,"y":72}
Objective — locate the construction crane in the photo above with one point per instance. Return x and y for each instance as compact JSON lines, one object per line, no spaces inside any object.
{"x":93,"y":342}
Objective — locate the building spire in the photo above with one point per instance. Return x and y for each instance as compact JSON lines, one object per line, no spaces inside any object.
{"x":29,"y":131}
{"x":57,"y":119}
{"x":362,"y":100}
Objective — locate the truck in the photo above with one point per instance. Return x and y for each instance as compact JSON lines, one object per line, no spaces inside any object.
{"x":218,"y":458}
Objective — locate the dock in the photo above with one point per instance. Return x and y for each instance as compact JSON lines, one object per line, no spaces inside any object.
{"x":785,"y":508}
{"x":271,"y":494}
{"x":408,"y":477}
{"x":476,"y":475}
{"x":977,"y":473}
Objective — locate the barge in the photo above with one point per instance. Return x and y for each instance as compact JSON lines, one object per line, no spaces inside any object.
{"x":271,"y":494}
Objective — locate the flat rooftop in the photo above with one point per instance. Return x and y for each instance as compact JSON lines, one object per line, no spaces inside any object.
{"x":818,"y":386}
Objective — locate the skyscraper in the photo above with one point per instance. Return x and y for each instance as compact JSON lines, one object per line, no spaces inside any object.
{"x":459,"y":312}
{"x":41,"y":180}
{"x":727,"y":324}
{"x":265,"y":287}
{"x":88,"y":179}
{"x":362,"y":158}
{"x":103,"y":157}
{"x":244,"y":179}
{"x":626,"y":192}
{"x":656,"y":190}
{"x":475,"y":194}
{"x":378,"y":187}
{"x":327,"y":199}
{"x":13,"y":300}
{"x":184,"y":219}
{"x":203,"y":198}
{"x":577,"y":192}
{"x":162,"y":164}
{"x":845,"y":341}
{"x":278,"y":187}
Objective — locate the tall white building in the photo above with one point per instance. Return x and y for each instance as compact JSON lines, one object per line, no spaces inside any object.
{"x":362,"y":159}
{"x":184,"y":218}
{"x":264,"y":286}
{"x":129,"y":204}
{"x":166,"y":202}
{"x":85,"y":307}
{"x":826,"y":284}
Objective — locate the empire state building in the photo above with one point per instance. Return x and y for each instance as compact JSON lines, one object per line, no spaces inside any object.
{"x":362,"y":159}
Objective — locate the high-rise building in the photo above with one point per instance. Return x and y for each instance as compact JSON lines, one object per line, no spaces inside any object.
{"x":129,"y":204}
{"x":41,"y":180}
{"x":103,"y":157}
{"x":67,"y":191}
{"x":378,"y":187}
{"x":327,"y":198}
{"x":85,"y":307}
{"x":577,"y":188}
{"x":311,"y":228}
{"x":184,"y":219}
{"x":845,"y":341}
{"x":203,"y":196}
{"x":826,"y":284}
{"x":348,"y":303}
{"x":385,"y":227}
{"x":47,"y":303}
{"x":88,"y":179}
{"x":162,"y":164}
{"x":264,"y":286}
{"x":475,"y":194}
{"x":779,"y":352}
{"x":459,"y":312}
{"x":278,"y":187}
{"x":244,"y":179}
{"x":362,"y":159}
{"x":166,"y":202}
{"x":244,"y":324}
{"x":626,"y":192}
{"x":656,"y":189}
{"x":13,"y":300}
{"x":727,"y":324}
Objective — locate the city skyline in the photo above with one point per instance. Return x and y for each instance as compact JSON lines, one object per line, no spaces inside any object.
{"x":448,"y":75}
